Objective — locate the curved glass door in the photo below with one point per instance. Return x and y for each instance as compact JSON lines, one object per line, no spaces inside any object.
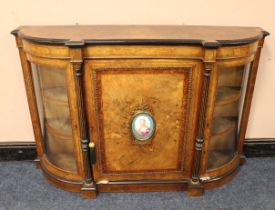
{"x":52,"y":101}
{"x":230,"y":93}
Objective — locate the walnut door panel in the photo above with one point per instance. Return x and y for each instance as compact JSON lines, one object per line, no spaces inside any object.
{"x":128,"y":103}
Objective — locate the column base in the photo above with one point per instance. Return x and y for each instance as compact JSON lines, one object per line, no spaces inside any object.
{"x":242,"y":160}
{"x":88,"y":191}
{"x":195,"y":189}
{"x":37,"y":163}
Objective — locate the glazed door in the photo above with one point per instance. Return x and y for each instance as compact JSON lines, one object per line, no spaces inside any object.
{"x":142,"y":117}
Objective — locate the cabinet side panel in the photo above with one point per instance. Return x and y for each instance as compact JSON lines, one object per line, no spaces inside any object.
{"x":29,"y":86}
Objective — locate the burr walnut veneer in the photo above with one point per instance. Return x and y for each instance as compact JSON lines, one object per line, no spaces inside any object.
{"x":139,"y":108}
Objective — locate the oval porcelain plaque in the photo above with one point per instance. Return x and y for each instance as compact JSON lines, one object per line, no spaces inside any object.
{"x":143,"y":126}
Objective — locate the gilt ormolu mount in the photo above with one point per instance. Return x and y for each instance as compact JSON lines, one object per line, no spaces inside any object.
{"x":139,"y":108}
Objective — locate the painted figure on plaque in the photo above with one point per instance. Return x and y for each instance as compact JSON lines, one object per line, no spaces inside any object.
{"x":142,"y":126}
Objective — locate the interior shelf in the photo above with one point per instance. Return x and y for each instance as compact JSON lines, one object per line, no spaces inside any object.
{"x":223,"y":125}
{"x":63,"y":131}
{"x":223,"y":133}
{"x":57,"y":95}
{"x":64,"y":161}
{"x":60,"y":149}
{"x":227,"y":95}
{"x":231,"y":77}
{"x":58,"y":127}
{"x":219,"y":158}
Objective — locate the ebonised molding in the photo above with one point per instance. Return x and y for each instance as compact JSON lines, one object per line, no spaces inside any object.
{"x":75,"y":44}
{"x":17,"y":151}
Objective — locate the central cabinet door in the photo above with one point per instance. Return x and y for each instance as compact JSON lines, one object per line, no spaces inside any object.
{"x":142,"y":117}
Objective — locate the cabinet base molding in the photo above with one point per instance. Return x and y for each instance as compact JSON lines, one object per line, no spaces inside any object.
{"x":220,"y":180}
{"x":89,"y":191}
{"x":72,"y":186}
{"x":136,"y":186}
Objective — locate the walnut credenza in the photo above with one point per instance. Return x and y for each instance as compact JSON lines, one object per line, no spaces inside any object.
{"x":139,"y":108}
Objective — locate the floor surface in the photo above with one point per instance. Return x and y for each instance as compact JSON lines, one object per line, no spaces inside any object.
{"x":23,"y":187}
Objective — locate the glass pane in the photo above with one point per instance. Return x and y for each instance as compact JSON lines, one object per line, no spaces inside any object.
{"x":228,"y":107}
{"x":52,"y":101}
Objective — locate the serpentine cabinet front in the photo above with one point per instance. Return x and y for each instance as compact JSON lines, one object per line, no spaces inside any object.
{"x":139,"y":117}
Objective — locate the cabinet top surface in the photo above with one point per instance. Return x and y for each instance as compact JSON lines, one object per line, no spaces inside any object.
{"x":209,"y":36}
